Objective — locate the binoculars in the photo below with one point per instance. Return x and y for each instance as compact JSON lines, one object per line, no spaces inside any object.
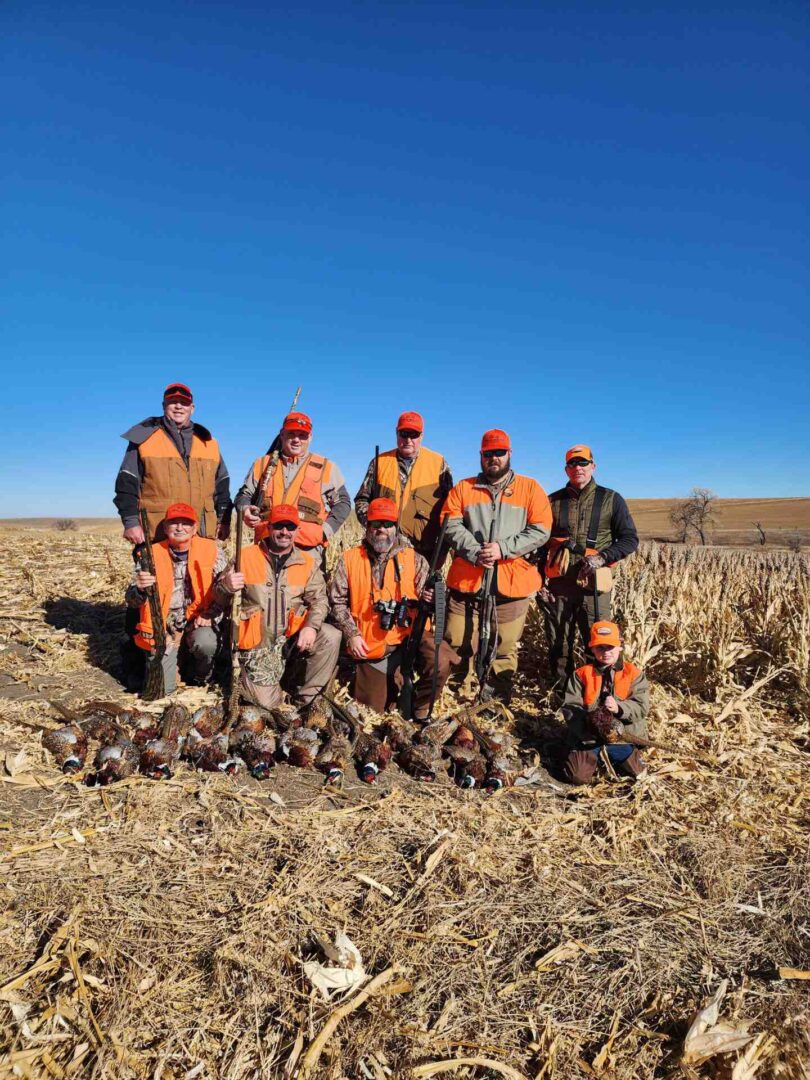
{"x":393,"y":611}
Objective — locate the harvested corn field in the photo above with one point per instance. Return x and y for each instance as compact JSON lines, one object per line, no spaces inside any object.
{"x":184,"y":928}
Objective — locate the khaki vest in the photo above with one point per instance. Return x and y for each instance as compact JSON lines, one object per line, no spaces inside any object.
{"x":167,"y":480}
{"x":293,"y":580}
{"x":419,"y":500}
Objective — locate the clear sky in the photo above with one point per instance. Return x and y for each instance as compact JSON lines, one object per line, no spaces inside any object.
{"x":576,"y":221}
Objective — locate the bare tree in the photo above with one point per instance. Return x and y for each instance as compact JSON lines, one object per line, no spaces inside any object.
{"x":694,"y":514}
{"x":794,"y":541}
{"x":65,"y":525}
{"x":761,"y":530}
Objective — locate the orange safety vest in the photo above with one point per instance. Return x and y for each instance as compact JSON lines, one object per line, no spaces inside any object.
{"x":167,"y":479}
{"x":202,"y":555}
{"x":254,"y":567}
{"x":591,"y":679}
{"x":418,"y":500}
{"x":516,"y":577}
{"x":364,"y":594}
{"x":305,"y":492}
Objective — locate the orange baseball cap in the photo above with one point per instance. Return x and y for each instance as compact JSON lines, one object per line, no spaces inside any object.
{"x":178,"y":391}
{"x":285,"y":512}
{"x":495,"y":440}
{"x":410,"y":421}
{"x":181,"y":510}
{"x":298,"y":421}
{"x":605,"y":633}
{"x":382,"y":510}
{"x":579,"y":451}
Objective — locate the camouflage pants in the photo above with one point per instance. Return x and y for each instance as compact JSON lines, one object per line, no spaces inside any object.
{"x":266,"y":674}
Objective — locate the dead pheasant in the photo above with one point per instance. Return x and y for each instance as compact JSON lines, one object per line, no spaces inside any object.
{"x":208,"y":720}
{"x":253,"y":718}
{"x":438,"y":732}
{"x":398,"y":733}
{"x":464,"y":737}
{"x":501,"y":773}
{"x":158,"y":758}
{"x":299,"y":747}
{"x":212,"y":755}
{"x":147,"y":728}
{"x":115,"y":762}
{"x":421,"y":762}
{"x":102,"y":727}
{"x":256,"y":749}
{"x":334,"y":758}
{"x":372,"y":757}
{"x":468,"y":768}
{"x":68,"y":745}
{"x":175,"y":723}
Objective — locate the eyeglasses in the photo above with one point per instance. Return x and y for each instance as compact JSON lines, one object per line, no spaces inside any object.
{"x":578,"y":463}
{"x":381,"y":524}
{"x":495,"y":453}
{"x":408,"y":434}
{"x":283,"y":526}
{"x":180,"y":523}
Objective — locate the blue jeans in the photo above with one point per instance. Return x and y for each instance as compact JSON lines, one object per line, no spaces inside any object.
{"x":617,"y":752}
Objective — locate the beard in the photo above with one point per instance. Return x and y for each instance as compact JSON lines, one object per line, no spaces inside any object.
{"x":380,"y":544}
{"x":503,"y":468}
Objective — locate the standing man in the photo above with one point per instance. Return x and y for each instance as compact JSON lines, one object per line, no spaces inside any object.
{"x":284,"y":642}
{"x":495,"y":520}
{"x":416,"y":479}
{"x":169,"y":459}
{"x":185,"y":566}
{"x":374,"y":590}
{"x":592,"y":531}
{"x":308,"y":481}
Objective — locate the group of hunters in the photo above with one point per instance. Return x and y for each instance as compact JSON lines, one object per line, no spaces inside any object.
{"x":509,"y":544}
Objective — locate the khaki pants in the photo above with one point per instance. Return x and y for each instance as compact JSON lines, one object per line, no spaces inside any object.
{"x":377,"y":683}
{"x":305,"y":675}
{"x":462,"y":630}
{"x":195,"y":650}
{"x":572,"y":610}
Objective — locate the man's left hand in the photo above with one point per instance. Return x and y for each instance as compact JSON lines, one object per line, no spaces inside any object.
{"x":224,"y":528}
{"x":611,"y":704}
{"x":489,"y":554}
{"x":306,"y":639}
{"x":426,"y":596}
{"x":200,"y":620}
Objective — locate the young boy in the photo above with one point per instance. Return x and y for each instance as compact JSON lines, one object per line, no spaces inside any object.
{"x":604,"y":700}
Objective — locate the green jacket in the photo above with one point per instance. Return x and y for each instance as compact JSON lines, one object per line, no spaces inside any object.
{"x":616,"y":535}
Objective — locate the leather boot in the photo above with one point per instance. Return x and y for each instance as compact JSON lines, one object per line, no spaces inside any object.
{"x":633,"y":766}
{"x":579,"y":767}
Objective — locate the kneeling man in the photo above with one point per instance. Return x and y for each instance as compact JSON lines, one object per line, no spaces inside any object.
{"x":374,"y":592}
{"x":284,"y":642}
{"x":185,"y":567}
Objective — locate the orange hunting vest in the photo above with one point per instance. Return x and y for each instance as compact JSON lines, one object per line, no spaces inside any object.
{"x":255,"y":567}
{"x":167,"y":480}
{"x":418,"y":501}
{"x":201,"y":558}
{"x":305,"y":492}
{"x":363,"y":595}
{"x":591,"y":680}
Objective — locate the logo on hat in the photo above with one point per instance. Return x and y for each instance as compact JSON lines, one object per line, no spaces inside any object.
{"x":604,"y":630}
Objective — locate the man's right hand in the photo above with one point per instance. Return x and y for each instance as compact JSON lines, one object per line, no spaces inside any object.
{"x":143,"y":579}
{"x":134,"y":534}
{"x":251,"y":516}
{"x":233,"y":581}
{"x":357,"y":647}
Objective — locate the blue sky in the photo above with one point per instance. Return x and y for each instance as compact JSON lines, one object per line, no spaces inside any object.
{"x":579,"y":222}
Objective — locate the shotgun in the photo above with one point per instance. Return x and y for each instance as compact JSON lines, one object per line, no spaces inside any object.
{"x":154,"y":685}
{"x":232,"y":704}
{"x":411,"y":650}
{"x":273,"y":455}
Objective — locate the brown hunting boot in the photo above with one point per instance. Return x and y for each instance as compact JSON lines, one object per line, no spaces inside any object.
{"x":579,"y":767}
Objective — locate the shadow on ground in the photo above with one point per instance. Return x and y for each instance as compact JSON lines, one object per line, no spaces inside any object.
{"x":100,"y":621}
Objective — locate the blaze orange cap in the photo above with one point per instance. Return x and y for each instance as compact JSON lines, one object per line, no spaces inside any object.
{"x":285,"y":512}
{"x":298,"y":421}
{"x":382,"y":510}
{"x":579,"y":451}
{"x":181,"y":510}
{"x":178,"y":391}
{"x":410,"y":421}
{"x":495,"y":440}
{"x":605,"y":633}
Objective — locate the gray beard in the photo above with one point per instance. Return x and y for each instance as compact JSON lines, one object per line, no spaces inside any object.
{"x":379,"y":544}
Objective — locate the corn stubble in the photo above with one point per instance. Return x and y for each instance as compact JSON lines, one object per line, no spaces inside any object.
{"x":161,"y":929}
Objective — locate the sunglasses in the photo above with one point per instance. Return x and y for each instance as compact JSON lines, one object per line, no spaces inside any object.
{"x":495,"y":453}
{"x":577,"y":464}
{"x":408,"y":434}
{"x":283,"y":526}
{"x":381,"y":524}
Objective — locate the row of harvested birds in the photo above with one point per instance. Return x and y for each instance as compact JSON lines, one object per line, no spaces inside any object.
{"x":332,"y":740}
